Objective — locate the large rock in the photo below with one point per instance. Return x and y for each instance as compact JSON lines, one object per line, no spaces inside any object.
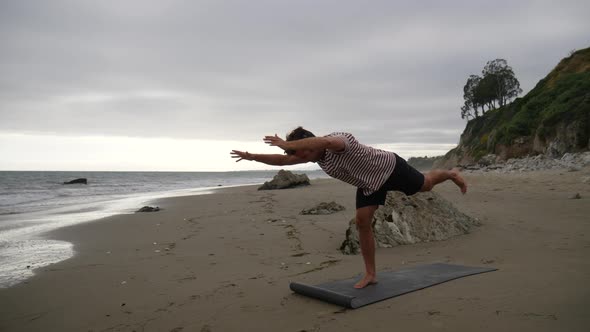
{"x":324,"y":208}
{"x":81,"y":180}
{"x":149,"y":209}
{"x":422,"y":217}
{"x":488,"y":160}
{"x":285,"y":179}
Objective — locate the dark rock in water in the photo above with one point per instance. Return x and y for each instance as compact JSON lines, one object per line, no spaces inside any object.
{"x":81,"y":180}
{"x":285,"y":179}
{"x":324,"y":208}
{"x":422,"y":217}
{"x":148,"y":209}
{"x":576,"y":196}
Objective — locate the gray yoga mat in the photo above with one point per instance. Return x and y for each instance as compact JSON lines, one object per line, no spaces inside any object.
{"x":390,"y":284}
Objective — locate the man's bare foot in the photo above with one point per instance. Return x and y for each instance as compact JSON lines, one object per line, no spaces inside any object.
{"x":367,"y":280}
{"x":458,"y":179}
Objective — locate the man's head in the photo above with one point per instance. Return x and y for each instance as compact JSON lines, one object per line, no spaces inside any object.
{"x":308,"y":154}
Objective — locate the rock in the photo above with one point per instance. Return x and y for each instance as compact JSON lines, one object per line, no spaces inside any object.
{"x":148,"y":209}
{"x":285,"y":179}
{"x":422,"y":217}
{"x":576,"y":196}
{"x":555,"y":149}
{"x":81,"y":180}
{"x":470,"y":167}
{"x":571,"y":162}
{"x":324,"y":208}
{"x":488,"y":160}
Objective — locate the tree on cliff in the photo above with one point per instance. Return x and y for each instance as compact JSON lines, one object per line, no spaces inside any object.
{"x":497,"y":87}
{"x":504,"y":84}
{"x":469,"y":94}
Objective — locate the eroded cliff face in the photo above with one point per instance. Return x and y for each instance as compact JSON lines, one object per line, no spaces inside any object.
{"x":567,"y":137}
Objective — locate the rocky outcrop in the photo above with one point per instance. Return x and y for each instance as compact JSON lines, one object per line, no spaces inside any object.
{"x":422,"y":217}
{"x":324,"y":208}
{"x":566,"y":137}
{"x":81,"y":180}
{"x":285,"y":179}
{"x":149,"y":209}
{"x":493,"y":163}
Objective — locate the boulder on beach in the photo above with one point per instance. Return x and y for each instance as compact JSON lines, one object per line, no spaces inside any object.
{"x":285,"y":179}
{"x":422,"y":217}
{"x":324,"y":208}
{"x":80,"y":180}
{"x":149,"y":209}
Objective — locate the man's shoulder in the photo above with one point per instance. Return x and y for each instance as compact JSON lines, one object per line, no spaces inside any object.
{"x":345,"y":138}
{"x":340,"y":133}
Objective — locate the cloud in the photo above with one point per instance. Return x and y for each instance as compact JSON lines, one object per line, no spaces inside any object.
{"x":237,"y":70}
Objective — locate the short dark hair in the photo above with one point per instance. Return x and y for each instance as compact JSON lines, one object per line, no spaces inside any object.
{"x":297,"y":134}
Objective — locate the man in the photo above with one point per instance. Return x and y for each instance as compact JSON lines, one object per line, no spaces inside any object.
{"x":374,"y":172}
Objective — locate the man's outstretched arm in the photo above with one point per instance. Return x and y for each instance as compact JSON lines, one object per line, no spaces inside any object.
{"x":269,"y":159}
{"x":314,"y":143}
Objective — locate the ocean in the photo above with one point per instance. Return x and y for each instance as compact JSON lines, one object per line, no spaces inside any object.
{"x":33,"y":203}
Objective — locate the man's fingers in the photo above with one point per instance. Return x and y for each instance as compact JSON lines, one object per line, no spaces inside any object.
{"x":238,"y":154}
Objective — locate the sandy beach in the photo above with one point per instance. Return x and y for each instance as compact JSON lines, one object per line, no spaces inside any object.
{"x":223,"y":262}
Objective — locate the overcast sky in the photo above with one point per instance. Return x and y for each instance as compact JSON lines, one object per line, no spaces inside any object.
{"x":175,"y":85}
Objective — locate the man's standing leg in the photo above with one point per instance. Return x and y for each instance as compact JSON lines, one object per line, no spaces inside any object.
{"x":364,"y":218}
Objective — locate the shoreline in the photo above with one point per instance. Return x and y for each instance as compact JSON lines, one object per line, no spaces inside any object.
{"x":222,"y":262}
{"x":37,"y":247}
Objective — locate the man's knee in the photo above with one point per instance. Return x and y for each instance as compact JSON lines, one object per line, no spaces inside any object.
{"x":364,"y":217}
{"x":363,"y":223}
{"x":427,"y":185}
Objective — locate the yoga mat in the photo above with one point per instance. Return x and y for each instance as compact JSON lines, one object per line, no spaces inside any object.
{"x":390,"y":284}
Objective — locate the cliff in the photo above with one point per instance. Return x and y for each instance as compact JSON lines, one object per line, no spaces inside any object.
{"x":552,"y":119}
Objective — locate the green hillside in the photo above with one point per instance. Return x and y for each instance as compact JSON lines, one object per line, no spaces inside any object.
{"x":553,"y":118}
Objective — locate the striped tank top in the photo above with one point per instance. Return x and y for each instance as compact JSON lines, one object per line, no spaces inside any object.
{"x":362,"y":166}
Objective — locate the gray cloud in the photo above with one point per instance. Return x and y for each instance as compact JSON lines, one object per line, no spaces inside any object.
{"x":242,"y":69}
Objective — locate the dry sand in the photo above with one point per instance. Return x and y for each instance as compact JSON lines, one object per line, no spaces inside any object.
{"x":223,"y":262}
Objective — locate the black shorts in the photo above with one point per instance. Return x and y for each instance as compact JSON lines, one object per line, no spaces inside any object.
{"x":404,"y":178}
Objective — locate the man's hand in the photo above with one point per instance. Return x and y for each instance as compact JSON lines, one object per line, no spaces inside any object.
{"x":241,"y":155}
{"x":275,"y":141}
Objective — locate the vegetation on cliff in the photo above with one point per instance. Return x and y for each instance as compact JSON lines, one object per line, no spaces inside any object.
{"x":498,"y":84}
{"x":554,"y":114}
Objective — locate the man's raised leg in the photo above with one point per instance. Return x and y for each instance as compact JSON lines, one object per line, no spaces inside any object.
{"x":437,"y":176}
{"x":364,"y":218}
